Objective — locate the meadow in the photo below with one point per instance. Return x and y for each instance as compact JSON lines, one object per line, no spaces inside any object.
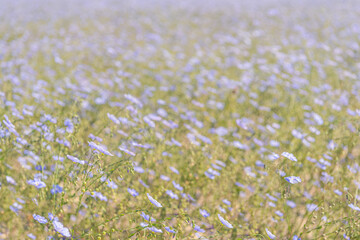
{"x":167,"y":119}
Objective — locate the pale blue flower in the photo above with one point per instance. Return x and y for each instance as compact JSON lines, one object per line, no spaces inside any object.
{"x":147,"y":217}
{"x":37,"y":183}
{"x":127,"y":151}
{"x":311,"y":207}
{"x":153,"y":201}
{"x":172,"y":194}
{"x":40,"y":219}
{"x":177,"y":186}
{"x":75,"y":159}
{"x":289,"y":156}
{"x":154,"y":229}
{"x":271,"y":236}
{"x":354,"y":207}
{"x":204,"y":213}
{"x":32,"y":236}
{"x":133,"y":192}
{"x":100,"y":148}
{"x":170,"y":230}
{"x":198,"y":229}
{"x":59,"y":227}
{"x":223,"y":221}
{"x":293,"y":179}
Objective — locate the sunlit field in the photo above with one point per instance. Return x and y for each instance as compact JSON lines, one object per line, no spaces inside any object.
{"x":164,"y":119}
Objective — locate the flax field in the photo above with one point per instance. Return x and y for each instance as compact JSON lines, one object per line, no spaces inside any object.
{"x":168,"y":119}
